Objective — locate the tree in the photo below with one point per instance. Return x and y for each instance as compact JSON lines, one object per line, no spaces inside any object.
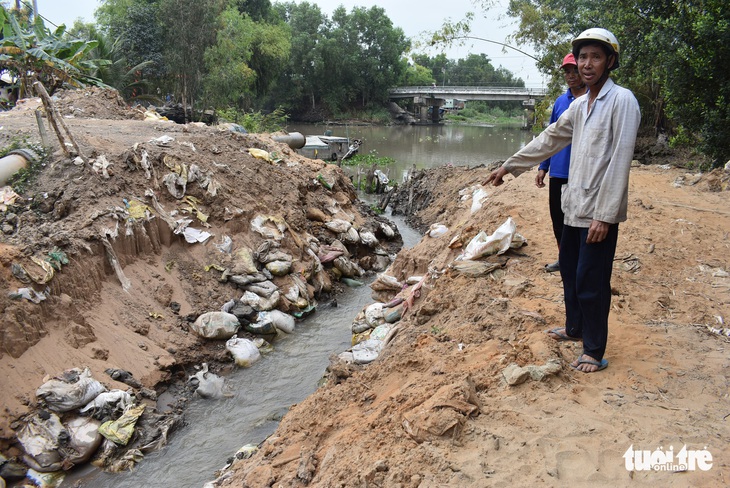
{"x":189,"y":28}
{"x":302,"y":81}
{"x":417,"y":75}
{"x":672,"y":57}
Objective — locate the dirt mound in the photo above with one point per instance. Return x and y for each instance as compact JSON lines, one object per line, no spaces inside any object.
{"x":472,"y":392}
{"x":95,"y":103}
{"x":107,"y":263}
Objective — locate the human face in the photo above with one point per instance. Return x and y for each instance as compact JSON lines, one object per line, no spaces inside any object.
{"x":592,"y":64}
{"x":572,"y":77}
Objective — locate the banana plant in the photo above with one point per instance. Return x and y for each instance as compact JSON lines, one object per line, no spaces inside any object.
{"x":34,"y":52}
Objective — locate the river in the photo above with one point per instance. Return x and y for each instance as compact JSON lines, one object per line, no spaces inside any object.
{"x":216,"y":429}
{"x":428,"y":146}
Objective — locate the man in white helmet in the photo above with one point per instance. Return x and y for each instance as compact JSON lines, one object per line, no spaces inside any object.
{"x":601,"y":126}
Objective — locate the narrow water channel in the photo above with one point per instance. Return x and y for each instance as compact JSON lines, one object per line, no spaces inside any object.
{"x":262,"y":394}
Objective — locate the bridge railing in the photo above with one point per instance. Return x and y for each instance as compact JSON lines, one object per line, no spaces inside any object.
{"x":466,"y":90}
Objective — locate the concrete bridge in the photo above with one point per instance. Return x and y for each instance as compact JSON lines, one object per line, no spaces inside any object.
{"x":436,"y":96}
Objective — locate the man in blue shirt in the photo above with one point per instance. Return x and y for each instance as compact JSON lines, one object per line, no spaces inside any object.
{"x":558,"y":164}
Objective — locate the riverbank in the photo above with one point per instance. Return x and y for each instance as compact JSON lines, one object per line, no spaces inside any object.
{"x":472,"y":392}
{"x":108,"y":264}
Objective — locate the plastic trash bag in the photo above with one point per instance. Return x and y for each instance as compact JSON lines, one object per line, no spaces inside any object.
{"x":84,"y":440}
{"x":374,"y":314}
{"x":282,"y":321}
{"x":437,"y":230}
{"x":40,"y":439}
{"x":216,"y":325}
{"x":497,"y":243}
{"x":368,"y":238}
{"x":209,"y":385}
{"x":366,"y":351}
{"x":279,"y":268}
{"x":106,"y":403}
{"x":477,"y":196}
{"x":62,"y":396}
{"x":244,"y":351}
{"x":338,"y":226}
{"x":120,"y":431}
{"x":386,"y":282}
{"x":260,"y":303}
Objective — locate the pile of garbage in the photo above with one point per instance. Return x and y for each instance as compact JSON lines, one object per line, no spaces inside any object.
{"x":376,"y":325}
{"x":78,"y":419}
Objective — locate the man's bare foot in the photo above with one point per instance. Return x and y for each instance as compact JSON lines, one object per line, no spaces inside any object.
{"x":587,"y":364}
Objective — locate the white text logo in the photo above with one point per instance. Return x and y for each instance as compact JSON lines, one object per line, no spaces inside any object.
{"x":661,"y":460}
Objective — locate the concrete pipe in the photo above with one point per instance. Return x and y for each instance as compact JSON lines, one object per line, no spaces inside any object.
{"x":14,"y":161}
{"x":294,"y":140}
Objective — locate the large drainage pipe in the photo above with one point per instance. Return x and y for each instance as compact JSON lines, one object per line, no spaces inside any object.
{"x":294,"y":140}
{"x":14,"y":161}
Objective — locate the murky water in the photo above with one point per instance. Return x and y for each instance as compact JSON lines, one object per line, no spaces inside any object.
{"x":262,"y":394}
{"x":429,"y":146}
{"x":216,"y":429}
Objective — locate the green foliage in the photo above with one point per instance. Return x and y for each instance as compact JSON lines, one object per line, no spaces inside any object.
{"x":33,"y":52}
{"x":189,"y":29}
{"x":368,"y":160}
{"x":255,"y":122}
{"x":24,"y":178}
{"x":673,"y":57}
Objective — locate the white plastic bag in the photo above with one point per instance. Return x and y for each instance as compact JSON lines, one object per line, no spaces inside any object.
{"x":497,"y":243}
{"x":61,"y":396}
{"x":437,"y":230}
{"x":244,"y":351}
{"x":282,"y":321}
{"x":477,"y":196}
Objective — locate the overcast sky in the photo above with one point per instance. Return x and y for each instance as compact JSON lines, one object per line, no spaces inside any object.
{"x":413,"y":16}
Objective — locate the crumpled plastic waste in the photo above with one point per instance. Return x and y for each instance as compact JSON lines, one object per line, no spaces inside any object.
{"x":209,"y":385}
{"x":191,"y":234}
{"x":216,"y":325}
{"x":496,"y":243}
{"x":164,"y":140}
{"x":7,"y":197}
{"x":120,"y":431}
{"x":244,"y":351}
{"x":260,"y":154}
{"x":259,"y":224}
{"x":109,"y":401}
{"x":101,"y":165}
{"x":437,"y":230}
{"x":40,"y":438}
{"x":29,"y":294}
{"x":61,"y":395}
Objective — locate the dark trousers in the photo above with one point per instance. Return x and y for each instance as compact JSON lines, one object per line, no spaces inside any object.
{"x":555,"y":187}
{"x":586,"y":272}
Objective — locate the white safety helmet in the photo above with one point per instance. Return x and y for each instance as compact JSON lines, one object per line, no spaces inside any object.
{"x":603,"y":36}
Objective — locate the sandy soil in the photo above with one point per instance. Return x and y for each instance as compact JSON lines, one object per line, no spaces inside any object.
{"x":435,"y":409}
{"x":89,"y":317}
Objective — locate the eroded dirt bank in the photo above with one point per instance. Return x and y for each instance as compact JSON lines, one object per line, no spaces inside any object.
{"x":435,"y":408}
{"x":132,"y":285}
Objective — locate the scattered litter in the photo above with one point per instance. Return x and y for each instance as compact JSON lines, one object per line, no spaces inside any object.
{"x":260,"y":154}
{"x":244,"y":351}
{"x":216,"y":325}
{"x":120,"y":431}
{"x":29,"y":294}
{"x":437,"y":230}
{"x":102,"y":165}
{"x":209,"y":385}
{"x":7,"y":197}
{"x":497,"y":243}
{"x":74,"y":390}
{"x":163,"y":141}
